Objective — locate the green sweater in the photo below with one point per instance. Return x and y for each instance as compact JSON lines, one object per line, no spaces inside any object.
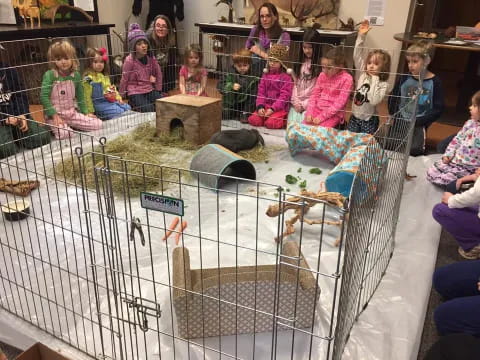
{"x":247,"y":92}
{"x":49,"y":78}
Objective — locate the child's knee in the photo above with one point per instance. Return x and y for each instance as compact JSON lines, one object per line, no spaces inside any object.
{"x":7,"y":149}
{"x":96,"y":123}
{"x":255,"y":120}
{"x":275,"y":123}
{"x":440,"y":211}
{"x":442,"y":317}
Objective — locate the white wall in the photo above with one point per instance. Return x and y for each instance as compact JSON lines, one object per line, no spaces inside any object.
{"x":117,"y":12}
{"x":396,"y":12}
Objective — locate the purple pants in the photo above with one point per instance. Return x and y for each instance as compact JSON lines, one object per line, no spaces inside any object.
{"x":463,"y":224}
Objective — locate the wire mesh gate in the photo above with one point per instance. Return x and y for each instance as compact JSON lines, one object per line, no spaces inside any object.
{"x":150,"y":300}
{"x":246,"y":300}
{"x":99,"y":289}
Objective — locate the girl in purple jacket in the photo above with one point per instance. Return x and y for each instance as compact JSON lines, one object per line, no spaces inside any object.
{"x":274,"y":91}
{"x":141,"y":74}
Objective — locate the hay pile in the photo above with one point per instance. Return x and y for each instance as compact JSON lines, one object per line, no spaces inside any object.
{"x":150,"y":157}
{"x":147,"y":169}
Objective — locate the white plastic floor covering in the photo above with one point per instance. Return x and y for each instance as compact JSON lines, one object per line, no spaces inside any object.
{"x":390,"y":327}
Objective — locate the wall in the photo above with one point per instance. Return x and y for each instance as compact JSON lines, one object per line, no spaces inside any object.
{"x":396,"y":13}
{"x":117,"y":12}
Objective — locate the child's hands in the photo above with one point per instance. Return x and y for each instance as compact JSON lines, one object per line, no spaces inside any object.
{"x":471,"y":177}
{"x":268,"y":112}
{"x":256,"y":50}
{"x":153,"y":79}
{"x":19,"y":121}
{"x":309,"y":119}
{"x":459,"y":182}
{"x":22,"y":123}
{"x":236,"y":87}
{"x":92,"y":115}
{"x":57,"y":120}
{"x":364,"y":27}
{"x":446,"y":159}
{"x":261,"y":112}
{"x":445,"y":197}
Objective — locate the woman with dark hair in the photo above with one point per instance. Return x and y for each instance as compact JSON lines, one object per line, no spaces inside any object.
{"x":169,"y":8}
{"x":266,"y":32}
{"x":161,"y":36}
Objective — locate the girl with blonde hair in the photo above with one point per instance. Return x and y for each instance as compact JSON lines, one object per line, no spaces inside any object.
{"x":62,"y":92}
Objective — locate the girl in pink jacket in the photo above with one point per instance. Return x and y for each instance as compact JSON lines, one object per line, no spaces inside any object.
{"x":305,"y":73}
{"x":274,"y":91}
{"x":330,"y":95}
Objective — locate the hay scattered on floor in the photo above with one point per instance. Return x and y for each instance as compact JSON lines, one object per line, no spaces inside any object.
{"x":259,"y":153}
{"x":139,"y":147}
{"x":142,"y":146}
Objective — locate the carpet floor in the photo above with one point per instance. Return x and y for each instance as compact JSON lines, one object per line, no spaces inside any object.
{"x":447,"y":254}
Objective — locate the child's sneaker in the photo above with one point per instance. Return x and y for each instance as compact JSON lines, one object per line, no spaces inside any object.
{"x":244,"y":117}
{"x":472,"y":254}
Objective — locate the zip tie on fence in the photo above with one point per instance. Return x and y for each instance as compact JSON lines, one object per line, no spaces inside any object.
{"x":136,"y":225}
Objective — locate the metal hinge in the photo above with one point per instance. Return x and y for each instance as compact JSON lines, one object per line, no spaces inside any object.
{"x":143,"y":309}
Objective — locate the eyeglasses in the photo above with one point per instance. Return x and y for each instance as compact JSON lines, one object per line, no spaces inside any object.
{"x":161,"y":27}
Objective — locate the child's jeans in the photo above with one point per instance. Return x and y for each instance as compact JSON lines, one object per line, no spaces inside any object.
{"x":144,"y":102}
{"x":457,"y":284}
{"x":277,"y":120}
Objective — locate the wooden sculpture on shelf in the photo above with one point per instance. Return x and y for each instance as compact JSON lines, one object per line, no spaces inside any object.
{"x":26,"y":10}
{"x":62,"y":10}
{"x":302,"y":204}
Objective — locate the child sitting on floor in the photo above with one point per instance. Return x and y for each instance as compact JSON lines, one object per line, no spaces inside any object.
{"x":462,"y":155}
{"x":371,"y":86}
{"x":193,"y":76}
{"x":329,"y":97}
{"x":15,"y":128}
{"x":459,"y":215}
{"x":430,"y":100}
{"x":305,"y":73}
{"x":239,"y":88}
{"x":100,"y":95}
{"x":62,"y":92}
{"x":274,"y":91}
{"x":141,"y":74}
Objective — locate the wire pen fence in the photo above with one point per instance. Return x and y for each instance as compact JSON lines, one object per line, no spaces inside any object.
{"x":88,"y":264}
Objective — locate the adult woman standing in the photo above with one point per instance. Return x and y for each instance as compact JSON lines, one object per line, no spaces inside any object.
{"x":262,"y":35}
{"x":162,"y":39}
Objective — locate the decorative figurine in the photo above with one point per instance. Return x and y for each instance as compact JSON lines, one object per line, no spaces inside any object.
{"x":26,"y":10}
